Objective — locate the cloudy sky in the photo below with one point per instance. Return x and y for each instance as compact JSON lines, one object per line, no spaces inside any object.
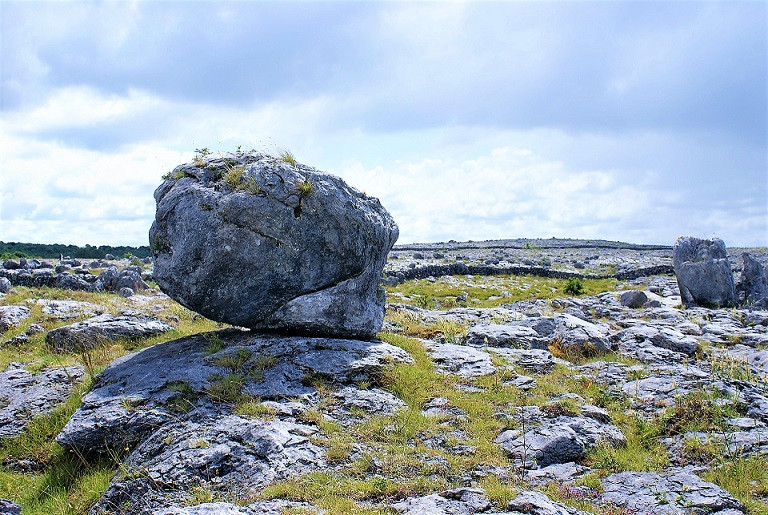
{"x":636,"y":121}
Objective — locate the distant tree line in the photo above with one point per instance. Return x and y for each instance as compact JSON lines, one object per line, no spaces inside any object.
{"x":14,"y":250}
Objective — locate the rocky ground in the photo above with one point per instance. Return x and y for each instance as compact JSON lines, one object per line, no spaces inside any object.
{"x":484,"y":393}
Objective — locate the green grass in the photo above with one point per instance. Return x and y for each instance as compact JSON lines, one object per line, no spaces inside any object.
{"x":304,"y":188}
{"x":746,"y":478}
{"x":487,"y":291}
{"x":286,"y":156}
{"x":69,"y":483}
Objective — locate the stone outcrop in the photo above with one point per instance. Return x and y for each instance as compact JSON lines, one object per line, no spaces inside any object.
{"x":257,"y":242}
{"x":24,"y":395}
{"x":560,"y":439}
{"x":672,"y":492}
{"x":703,"y":272}
{"x":752,"y":286}
{"x":90,"y":333}
{"x":11,"y":316}
{"x":140,"y":393}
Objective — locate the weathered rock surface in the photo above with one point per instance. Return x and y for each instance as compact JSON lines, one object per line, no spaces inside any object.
{"x":90,"y":333}
{"x":69,"y":281}
{"x":11,"y":316}
{"x":160,"y":404}
{"x":664,"y":337}
{"x":460,"y":501}
{"x":752,"y":286}
{"x":461,"y":360}
{"x":497,"y":335}
{"x":676,"y":491}
{"x":5,"y":285}
{"x":274,"y":246}
{"x":68,"y":309}
{"x":561,"y":439}
{"x":703,"y":272}
{"x":157,"y":378}
{"x":535,"y":360}
{"x":242,"y":455}
{"x":9,"y":508}
{"x":536,"y":503}
{"x":571,"y":331}
{"x":24,"y":396}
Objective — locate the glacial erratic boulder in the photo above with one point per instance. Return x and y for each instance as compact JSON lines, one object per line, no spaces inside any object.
{"x":258,"y":242}
{"x":703,"y":272}
{"x":752,"y":286}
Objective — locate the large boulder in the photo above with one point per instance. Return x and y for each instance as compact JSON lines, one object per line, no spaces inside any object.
{"x":703,"y":272}
{"x":752,"y":286}
{"x":258,"y":242}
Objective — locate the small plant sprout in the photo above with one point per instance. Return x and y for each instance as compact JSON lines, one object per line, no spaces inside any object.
{"x":304,"y":188}
{"x":287,"y":157}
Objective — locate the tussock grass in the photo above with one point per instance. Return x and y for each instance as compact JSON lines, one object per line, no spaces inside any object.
{"x":746,"y":478}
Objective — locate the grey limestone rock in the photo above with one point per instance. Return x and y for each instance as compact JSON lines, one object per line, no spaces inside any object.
{"x":561,"y":472}
{"x":752,"y":286}
{"x":496,"y":335}
{"x":129,"y":277}
{"x":664,"y":337}
{"x":536,"y":503}
{"x":374,"y":400}
{"x":461,"y":360}
{"x":572,"y":331}
{"x":69,"y":281}
{"x":136,"y":394}
{"x":68,"y":309}
{"x":5,"y":285}
{"x":229,"y":452}
{"x":24,"y":395}
{"x":633,"y":299}
{"x":11,"y":316}
{"x":703,"y":272}
{"x":90,"y":333}
{"x":256,"y":242}
{"x":9,"y":508}
{"x":558,"y":440}
{"x":755,"y":403}
{"x":460,"y":501}
{"x":11,"y":264}
{"x":675,"y":491}
{"x":534,"y":360}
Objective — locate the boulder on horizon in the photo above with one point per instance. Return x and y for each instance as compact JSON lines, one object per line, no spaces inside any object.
{"x":703,"y":272}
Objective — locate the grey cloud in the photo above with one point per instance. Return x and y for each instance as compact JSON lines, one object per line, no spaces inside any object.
{"x":604,"y":66}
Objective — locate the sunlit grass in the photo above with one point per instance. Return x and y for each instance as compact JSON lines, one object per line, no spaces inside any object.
{"x":487,"y":291}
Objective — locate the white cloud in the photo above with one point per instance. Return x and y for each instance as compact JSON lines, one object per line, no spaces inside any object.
{"x":507,"y":193}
